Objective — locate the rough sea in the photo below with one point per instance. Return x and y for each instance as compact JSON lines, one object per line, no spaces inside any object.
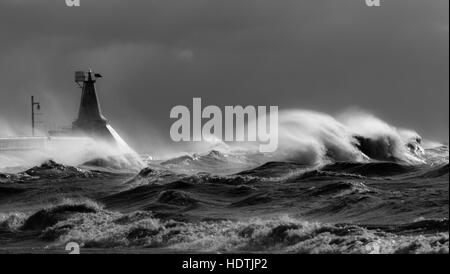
{"x":372,"y":194}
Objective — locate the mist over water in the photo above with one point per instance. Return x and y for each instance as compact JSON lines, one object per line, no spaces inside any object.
{"x":72,"y":151}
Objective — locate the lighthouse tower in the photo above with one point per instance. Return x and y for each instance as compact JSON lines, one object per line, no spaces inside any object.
{"x":91,"y":121}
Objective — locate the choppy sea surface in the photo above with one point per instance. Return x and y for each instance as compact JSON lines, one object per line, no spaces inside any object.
{"x":217,"y":202}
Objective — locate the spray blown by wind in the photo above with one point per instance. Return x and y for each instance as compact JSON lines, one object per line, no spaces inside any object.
{"x":315,"y":138}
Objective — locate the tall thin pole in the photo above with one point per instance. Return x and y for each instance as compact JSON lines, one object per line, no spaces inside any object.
{"x":33,"y":105}
{"x":32,"y":115}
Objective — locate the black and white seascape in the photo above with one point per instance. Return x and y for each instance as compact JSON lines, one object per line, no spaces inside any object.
{"x":208,"y":126}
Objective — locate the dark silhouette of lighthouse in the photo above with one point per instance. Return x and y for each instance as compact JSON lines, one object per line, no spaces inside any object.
{"x":91,"y":121}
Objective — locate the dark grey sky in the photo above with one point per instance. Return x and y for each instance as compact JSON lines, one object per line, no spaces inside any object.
{"x":324,"y":55}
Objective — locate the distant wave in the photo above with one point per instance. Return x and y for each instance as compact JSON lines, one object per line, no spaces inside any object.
{"x":51,"y":169}
{"x":124,"y":162}
{"x":260,"y":165}
{"x":344,"y":170}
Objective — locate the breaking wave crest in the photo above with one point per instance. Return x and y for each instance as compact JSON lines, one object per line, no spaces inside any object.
{"x":311,"y":137}
{"x":314,"y":139}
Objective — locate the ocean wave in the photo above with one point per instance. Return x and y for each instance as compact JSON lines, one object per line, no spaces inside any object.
{"x":50,"y":169}
{"x":313,"y":138}
{"x":373,"y":169}
{"x":174,"y":197}
{"x":341,"y":189}
{"x":273,"y":170}
{"x":105,"y":229}
{"x":157,"y":176}
{"x":253,"y":200}
{"x":12,"y":221}
{"x":436,"y":172}
{"x":152,"y":189}
{"x":121,"y":163}
{"x":355,"y":170}
{"x":213,"y":161}
{"x":390,"y":166}
{"x":50,"y":216}
{"x":437,"y":154}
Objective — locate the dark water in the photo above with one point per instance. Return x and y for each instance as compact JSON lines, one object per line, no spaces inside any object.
{"x":216,"y":203}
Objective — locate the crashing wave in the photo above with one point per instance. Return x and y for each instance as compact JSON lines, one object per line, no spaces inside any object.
{"x":103,"y":229}
{"x":313,"y":138}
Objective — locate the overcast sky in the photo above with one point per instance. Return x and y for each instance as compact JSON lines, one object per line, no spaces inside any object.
{"x":322,"y":55}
